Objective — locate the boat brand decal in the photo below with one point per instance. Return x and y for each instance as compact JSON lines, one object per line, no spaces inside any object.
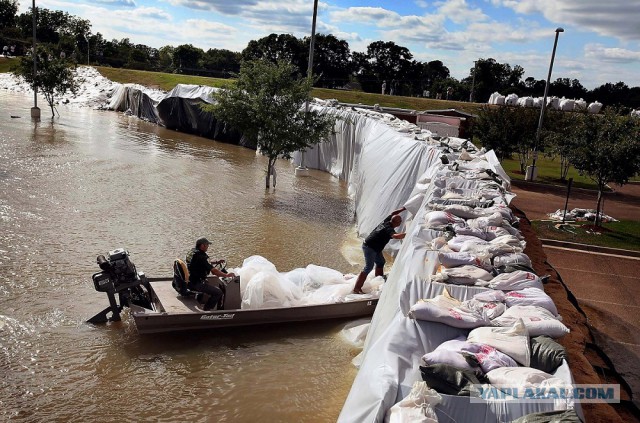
{"x":225,"y":316}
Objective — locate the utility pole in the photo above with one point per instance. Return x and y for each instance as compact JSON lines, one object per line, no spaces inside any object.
{"x":302,"y":169}
{"x":532,"y":171}
{"x":35,"y":110}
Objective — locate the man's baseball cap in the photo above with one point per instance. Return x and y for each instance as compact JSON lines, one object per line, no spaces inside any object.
{"x":201,"y":241}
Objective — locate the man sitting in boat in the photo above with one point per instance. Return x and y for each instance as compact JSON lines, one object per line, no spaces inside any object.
{"x":199,"y":267}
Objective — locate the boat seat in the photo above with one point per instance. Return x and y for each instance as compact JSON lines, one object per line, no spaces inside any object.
{"x":181,"y":278}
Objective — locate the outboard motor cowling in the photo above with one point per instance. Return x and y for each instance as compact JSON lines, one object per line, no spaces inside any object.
{"x":119,"y":275}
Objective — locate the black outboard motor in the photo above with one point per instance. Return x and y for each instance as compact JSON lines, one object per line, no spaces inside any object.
{"x":119,"y":275}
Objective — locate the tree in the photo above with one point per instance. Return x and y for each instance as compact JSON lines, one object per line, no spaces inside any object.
{"x":278,"y":47}
{"x":187,"y":57}
{"x":607,"y":150}
{"x":561,"y":137}
{"x":8,"y":11}
{"x":331,"y":60}
{"x":266,"y":105}
{"x":507,"y":130}
{"x":492,"y":76}
{"x":55,"y":76}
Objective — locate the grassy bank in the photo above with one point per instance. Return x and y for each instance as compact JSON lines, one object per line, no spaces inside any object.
{"x":623,"y":234}
{"x":5,"y":64}
{"x":166,"y":81}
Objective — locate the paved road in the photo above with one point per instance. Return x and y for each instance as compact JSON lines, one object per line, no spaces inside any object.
{"x":607,"y":287}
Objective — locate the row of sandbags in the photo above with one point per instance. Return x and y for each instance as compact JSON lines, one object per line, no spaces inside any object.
{"x":510,"y":322}
{"x":565,"y":104}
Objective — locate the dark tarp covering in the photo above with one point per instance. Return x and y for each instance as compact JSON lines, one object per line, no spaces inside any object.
{"x":180,"y":109}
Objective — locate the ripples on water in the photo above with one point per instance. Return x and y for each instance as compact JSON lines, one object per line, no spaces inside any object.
{"x":94,"y":181}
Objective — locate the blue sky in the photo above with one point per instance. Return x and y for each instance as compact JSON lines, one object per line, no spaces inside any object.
{"x":601,"y":42}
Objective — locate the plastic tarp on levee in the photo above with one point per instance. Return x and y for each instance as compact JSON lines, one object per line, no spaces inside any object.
{"x":379,"y":156}
{"x":136,"y":101}
{"x":180,"y":109}
{"x":389,"y":164}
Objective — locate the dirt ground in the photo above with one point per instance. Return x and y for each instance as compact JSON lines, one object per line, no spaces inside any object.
{"x":601,"y":312}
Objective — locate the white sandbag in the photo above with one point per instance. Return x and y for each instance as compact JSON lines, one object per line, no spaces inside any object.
{"x":509,"y":240}
{"x":505,"y":211}
{"x":440,"y":218}
{"x":594,"y":107}
{"x":553,"y":103}
{"x":491,"y":309}
{"x":511,"y":100}
{"x":567,"y":105}
{"x":538,"y":321}
{"x":455,"y":259}
{"x":490,"y":358}
{"x":512,"y":258}
{"x":417,"y":407}
{"x":513,"y":341}
{"x":413,"y":204}
{"x":580,"y":105}
{"x":500,"y":100}
{"x":465,"y":230}
{"x":448,"y":310}
{"x":458,"y":242}
{"x":517,"y":377}
{"x":537,"y":102}
{"x":531,"y":297}
{"x":482,"y":222}
{"x":453,"y":353}
{"x":462,"y":211}
{"x":463,"y":275}
{"x":515,"y":281}
{"x":490,"y":295}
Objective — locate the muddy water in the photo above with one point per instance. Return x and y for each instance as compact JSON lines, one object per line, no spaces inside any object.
{"x":93,"y":181}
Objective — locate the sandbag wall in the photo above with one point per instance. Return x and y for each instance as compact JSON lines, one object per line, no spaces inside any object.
{"x":459,"y":280}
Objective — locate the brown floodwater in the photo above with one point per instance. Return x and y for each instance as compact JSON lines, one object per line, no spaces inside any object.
{"x":92,"y":181}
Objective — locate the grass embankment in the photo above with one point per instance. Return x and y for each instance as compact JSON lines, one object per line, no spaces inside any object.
{"x":623,"y":234}
{"x":5,"y":64}
{"x":166,"y":81}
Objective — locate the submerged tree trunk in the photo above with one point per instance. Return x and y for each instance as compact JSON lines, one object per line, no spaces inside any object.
{"x":271,"y":171}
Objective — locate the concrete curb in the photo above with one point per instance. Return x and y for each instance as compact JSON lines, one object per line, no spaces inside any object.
{"x":593,"y":248}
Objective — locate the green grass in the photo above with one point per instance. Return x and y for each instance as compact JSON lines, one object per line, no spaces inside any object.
{"x":6,"y":64}
{"x":548,"y":173}
{"x":167,"y":81}
{"x":623,"y":234}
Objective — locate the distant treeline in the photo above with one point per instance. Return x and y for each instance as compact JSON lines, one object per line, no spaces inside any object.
{"x":384,"y":64}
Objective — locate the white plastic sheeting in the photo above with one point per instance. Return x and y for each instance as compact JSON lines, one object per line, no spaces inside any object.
{"x":263,"y":286}
{"x":380,"y":157}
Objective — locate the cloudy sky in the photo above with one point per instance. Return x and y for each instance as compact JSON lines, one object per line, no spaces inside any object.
{"x":601,"y":42}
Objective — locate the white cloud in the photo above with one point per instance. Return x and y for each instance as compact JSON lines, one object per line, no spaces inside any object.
{"x":611,"y":54}
{"x":616,"y":18}
{"x":458,"y":11}
{"x":121,"y":3}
